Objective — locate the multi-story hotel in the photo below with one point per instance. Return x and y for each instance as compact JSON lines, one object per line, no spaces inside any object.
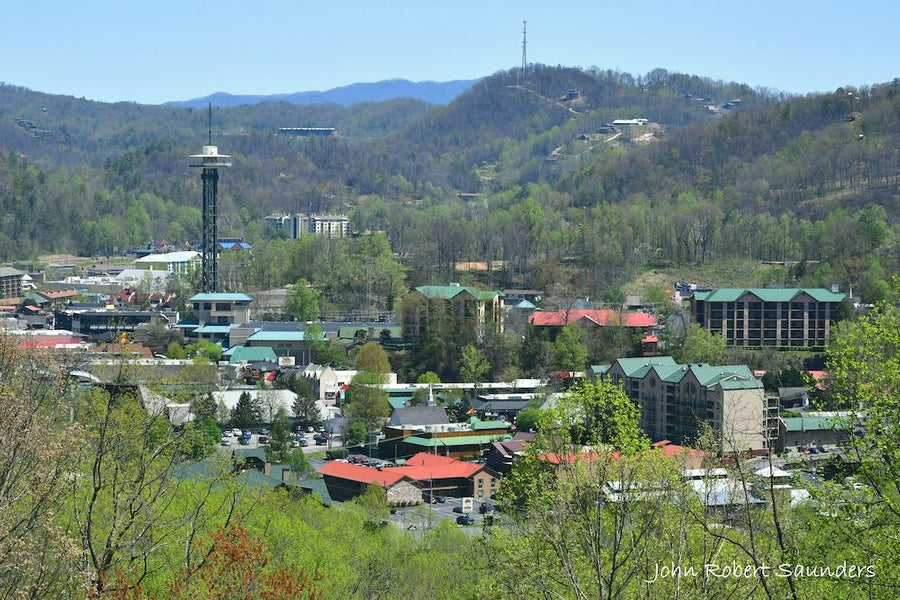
{"x":768,"y":317}
{"x":675,"y":401}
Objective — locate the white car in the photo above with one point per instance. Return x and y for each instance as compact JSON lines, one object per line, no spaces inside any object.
{"x":236,"y":432}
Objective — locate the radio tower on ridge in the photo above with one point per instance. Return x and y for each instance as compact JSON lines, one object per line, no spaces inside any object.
{"x":524,"y":42}
{"x":210,"y":162}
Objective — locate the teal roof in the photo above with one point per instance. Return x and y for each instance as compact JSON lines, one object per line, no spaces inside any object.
{"x":241,"y":354}
{"x":222,"y":329}
{"x":729,"y":377}
{"x":768,"y":294}
{"x":277,"y":336}
{"x":462,"y":440}
{"x":478,"y":425}
{"x":599,"y":369}
{"x":526,"y":305}
{"x":398,"y":401}
{"x":638,"y":367}
{"x":187,"y":324}
{"x":446,"y":292}
{"x":220,"y":297}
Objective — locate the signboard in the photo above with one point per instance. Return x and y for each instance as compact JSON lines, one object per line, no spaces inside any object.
{"x":286,"y":361}
{"x":467,"y":505}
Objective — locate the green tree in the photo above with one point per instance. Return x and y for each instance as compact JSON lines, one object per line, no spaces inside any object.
{"x":280,"y":437}
{"x":367,"y":403}
{"x":303,"y":302}
{"x":356,"y":433}
{"x":306,"y":405}
{"x":569,"y":351}
{"x":204,"y":408}
{"x":245,"y":413}
{"x":206,"y":349}
{"x":527,"y":419}
{"x":699,"y":346}
{"x":474,"y":367}
{"x":372,"y":358}
{"x":324,"y":351}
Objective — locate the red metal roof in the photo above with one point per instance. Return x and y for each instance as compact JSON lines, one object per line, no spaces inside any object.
{"x":386,"y":477}
{"x":421,"y":467}
{"x":600,"y":316}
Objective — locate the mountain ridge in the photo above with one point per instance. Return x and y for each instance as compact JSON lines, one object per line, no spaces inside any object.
{"x":431,"y":92}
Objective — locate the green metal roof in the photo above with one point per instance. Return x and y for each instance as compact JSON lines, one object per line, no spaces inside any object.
{"x":631,"y":366}
{"x":446,"y":292}
{"x":599,"y":369}
{"x":462,"y":440}
{"x":220,"y":297}
{"x":398,"y":401}
{"x":277,"y":336}
{"x":223,"y":329}
{"x":768,"y":294}
{"x":478,"y":425}
{"x":251,"y":353}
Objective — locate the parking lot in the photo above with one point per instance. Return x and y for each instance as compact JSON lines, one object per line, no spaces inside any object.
{"x":333,"y":442}
{"x":427,"y":516}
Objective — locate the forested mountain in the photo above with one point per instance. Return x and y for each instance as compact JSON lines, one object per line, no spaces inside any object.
{"x":512,"y":170}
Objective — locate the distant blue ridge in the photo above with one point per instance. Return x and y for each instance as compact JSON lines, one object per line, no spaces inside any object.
{"x":432,"y":92}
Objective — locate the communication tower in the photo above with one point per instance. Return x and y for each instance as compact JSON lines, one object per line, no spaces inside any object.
{"x":524,"y":42}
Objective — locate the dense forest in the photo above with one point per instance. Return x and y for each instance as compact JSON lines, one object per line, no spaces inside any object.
{"x":513,"y":173}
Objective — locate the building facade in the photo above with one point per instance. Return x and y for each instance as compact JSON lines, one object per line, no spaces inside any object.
{"x":10,"y":282}
{"x":453,"y":305}
{"x":676,"y":400}
{"x":794,"y":317}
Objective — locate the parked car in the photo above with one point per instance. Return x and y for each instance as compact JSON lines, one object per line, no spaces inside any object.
{"x":431,"y":498}
{"x":263,"y":440}
{"x":320,"y":440}
{"x":224,"y":442}
{"x":465,"y":520}
{"x":245,"y":438}
{"x":304,"y":442}
{"x":236,"y":432}
{"x":263,"y":431}
{"x":457,"y":509}
{"x":486,"y":508}
{"x":310,"y":429}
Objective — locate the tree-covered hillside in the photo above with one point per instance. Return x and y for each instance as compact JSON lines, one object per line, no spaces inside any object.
{"x":519,"y":171}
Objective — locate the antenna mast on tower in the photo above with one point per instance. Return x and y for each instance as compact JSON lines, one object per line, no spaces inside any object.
{"x":524,"y":43}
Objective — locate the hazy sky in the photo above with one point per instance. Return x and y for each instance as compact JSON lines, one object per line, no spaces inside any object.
{"x":160,"y":50}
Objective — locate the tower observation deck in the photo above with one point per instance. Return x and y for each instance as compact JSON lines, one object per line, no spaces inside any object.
{"x":210,"y":161}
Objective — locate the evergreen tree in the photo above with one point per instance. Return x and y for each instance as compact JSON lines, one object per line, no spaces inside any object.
{"x":245,"y":413}
{"x":280,"y":437}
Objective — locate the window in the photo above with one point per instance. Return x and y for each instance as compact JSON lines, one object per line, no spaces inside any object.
{"x":207,"y":306}
{"x":223,"y":306}
{"x":480,"y":482}
{"x":493,"y":482}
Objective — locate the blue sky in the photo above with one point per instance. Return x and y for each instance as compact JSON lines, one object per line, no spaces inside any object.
{"x":156,"y":51}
